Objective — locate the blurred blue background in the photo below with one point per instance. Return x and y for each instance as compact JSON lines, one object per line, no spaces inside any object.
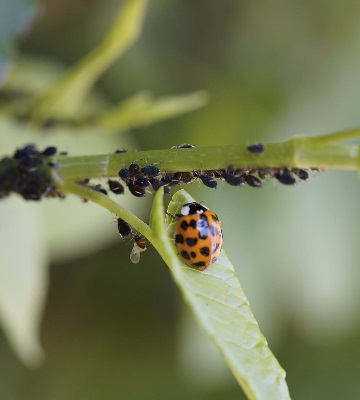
{"x":273,"y":70}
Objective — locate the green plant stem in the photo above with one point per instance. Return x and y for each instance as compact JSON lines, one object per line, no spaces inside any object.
{"x":69,"y":91}
{"x":137,"y":224}
{"x":301,"y":152}
{"x":348,"y":134}
{"x":104,"y":201}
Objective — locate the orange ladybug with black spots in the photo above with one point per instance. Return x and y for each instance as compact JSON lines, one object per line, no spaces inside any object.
{"x":198,"y":235}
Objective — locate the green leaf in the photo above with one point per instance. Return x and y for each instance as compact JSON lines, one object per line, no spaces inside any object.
{"x":15,"y":16}
{"x":222,"y":310}
{"x":65,"y":97}
{"x":23,"y":278}
{"x":142,"y":109}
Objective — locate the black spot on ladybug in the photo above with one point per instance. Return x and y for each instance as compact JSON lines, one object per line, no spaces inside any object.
{"x":199,"y":264}
{"x":193,"y":224}
{"x":205,"y":251}
{"x":214,"y":217}
{"x":184,"y":225}
{"x":191,"y":241}
{"x":193,"y":254}
{"x":185,"y":255}
{"x":179,"y":238}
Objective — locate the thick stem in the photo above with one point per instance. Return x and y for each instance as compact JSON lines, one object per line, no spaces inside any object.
{"x":329,"y":155}
{"x":301,"y":152}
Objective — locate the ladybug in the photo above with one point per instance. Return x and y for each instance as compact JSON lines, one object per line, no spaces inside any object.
{"x":198,"y":236}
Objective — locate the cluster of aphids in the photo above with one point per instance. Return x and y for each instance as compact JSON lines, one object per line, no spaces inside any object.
{"x":136,"y":179}
{"x":27,"y":173}
{"x":139,"y":179}
{"x":246,"y":176}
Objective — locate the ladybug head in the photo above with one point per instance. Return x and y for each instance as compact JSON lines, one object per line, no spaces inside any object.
{"x":193,"y":208}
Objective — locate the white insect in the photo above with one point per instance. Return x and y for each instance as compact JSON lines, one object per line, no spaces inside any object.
{"x":139,"y":247}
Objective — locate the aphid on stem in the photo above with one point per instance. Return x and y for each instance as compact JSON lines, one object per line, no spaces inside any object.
{"x":139,"y":247}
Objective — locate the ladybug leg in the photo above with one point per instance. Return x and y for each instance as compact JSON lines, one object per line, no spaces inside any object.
{"x":176,"y":216}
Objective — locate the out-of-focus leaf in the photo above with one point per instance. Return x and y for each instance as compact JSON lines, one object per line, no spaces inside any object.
{"x":15,"y":16}
{"x":32,"y":75}
{"x":66,"y":95}
{"x":222,"y":310}
{"x":30,"y":78}
{"x":23,"y":277}
{"x":142,"y":109}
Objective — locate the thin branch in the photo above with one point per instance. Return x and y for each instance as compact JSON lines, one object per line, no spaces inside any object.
{"x":104,"y":201}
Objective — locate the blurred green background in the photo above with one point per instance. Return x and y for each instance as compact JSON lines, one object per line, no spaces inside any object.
{"x":275,"y":69}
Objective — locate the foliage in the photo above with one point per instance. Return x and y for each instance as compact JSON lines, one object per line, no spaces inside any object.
{"x":215,"y":296}
{"x":37,"y":95}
